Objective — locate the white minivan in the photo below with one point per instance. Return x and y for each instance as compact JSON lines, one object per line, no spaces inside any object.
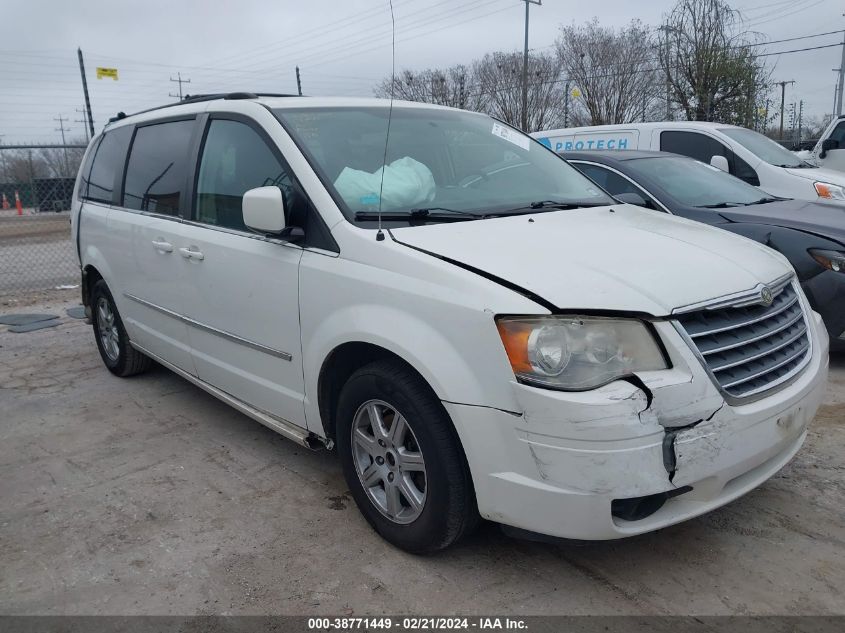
{"x":746,"y":154}
{"x":475,"y":327}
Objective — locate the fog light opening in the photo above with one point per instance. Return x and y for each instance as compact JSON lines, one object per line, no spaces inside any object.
{"x":639,"y":508}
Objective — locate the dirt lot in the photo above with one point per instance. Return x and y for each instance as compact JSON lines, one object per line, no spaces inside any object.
{"x":148,"y":496}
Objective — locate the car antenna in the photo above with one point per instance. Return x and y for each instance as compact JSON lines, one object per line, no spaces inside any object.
{"x":380,"y":233}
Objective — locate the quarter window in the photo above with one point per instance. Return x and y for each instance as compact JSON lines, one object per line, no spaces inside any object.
{"x":607,"y":180}
{"x":612,"y":182}
{"x":155,"y":175}
{"x":234,"y":160}
{"x":107,"y":163}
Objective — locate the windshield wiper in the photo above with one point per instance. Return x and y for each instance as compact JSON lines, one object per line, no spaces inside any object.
{"x":722,"y":205}
{"x":549,"y":205}
{"x":438,"y":214}
{"x":765,"y":200}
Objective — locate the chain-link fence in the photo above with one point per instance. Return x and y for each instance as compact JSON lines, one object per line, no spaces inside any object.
{"x":36,"y":252}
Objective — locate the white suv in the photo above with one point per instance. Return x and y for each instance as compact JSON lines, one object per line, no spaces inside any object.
{"x":477,"y":328}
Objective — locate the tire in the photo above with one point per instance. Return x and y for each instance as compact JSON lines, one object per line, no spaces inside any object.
{"x":118,"y":355}
{"x":446,"y":510}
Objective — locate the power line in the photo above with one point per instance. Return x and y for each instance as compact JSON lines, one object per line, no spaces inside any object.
{"x":798,"y":50}
{"x":790,"y":39}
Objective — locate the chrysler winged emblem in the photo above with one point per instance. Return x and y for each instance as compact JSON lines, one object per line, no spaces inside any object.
{"x":766,"y":296}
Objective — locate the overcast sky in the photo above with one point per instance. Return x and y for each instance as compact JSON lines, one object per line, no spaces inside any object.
{"x":341,"y":46}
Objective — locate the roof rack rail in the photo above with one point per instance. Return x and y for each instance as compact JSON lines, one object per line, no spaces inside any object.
{"x":204,"y":97}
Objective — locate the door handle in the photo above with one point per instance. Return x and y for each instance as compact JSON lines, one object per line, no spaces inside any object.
{"x":191,"y":252}
{"x":161,"y":245}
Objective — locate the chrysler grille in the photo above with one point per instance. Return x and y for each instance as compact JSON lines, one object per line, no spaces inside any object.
{"x":751,"y":349}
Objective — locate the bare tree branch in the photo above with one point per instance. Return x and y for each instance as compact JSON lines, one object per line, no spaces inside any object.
{"x":713,"y":75}
{"x":614,"y":70}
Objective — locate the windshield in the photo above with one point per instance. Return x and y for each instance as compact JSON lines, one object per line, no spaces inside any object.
{"x":764,"y":148}
{"x":444,"y":160}
{"x":695,"y":184}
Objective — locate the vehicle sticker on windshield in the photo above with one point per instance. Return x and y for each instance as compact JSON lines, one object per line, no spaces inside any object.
{"x":512,"y":136}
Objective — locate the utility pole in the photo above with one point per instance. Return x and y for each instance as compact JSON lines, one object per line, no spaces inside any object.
{"x":841,"y":79}
{"x":792,"y":118}
{"x":766,"y":116}
{"x":84,"y":122}
{"x":85,"y":91}
{"x":666,"y":30}
{"x":61,"y":129}
{"x":528,"y":3}
{"x":800,"y":122}
{"x":782,"y":85}
{"x":180,"y":81}
{"x":298,"y":82}
{"x":566,"y":105}
{"x":3,"y":160}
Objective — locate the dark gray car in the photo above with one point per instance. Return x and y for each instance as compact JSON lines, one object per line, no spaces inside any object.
{"x":810,"y":235}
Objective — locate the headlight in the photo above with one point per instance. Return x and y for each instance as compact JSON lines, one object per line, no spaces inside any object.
{"x":575,"y":353}
{"x":829,"y":191}
{"x":832,"y":260}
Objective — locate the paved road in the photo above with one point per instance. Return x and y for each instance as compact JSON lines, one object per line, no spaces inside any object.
{"x":146,"y":495}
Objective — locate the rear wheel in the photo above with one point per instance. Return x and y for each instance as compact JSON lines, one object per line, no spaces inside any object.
{"x":118,"y":355}
{"x":402,"y":459}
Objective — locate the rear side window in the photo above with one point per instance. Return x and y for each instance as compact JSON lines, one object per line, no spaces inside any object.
{"x":704,"y":148}
{"x":158,"y":160}
{"x":107,"y":161}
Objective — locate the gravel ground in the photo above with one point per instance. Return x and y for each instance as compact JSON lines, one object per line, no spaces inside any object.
{"x":147,"y":496}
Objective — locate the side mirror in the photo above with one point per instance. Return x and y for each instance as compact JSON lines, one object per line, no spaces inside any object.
{"x":264,"y":210}
{"x":720,"y":162}
{"x":634,"y":198}
{"x":827,"y":145}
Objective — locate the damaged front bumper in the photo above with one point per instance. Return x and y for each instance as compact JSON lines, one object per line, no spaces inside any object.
{"x":579,"y":465}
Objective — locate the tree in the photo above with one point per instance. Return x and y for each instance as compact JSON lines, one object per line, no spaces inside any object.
{"x":498,"y":85}
{"x":615,"y":70}
{"x":63,"y":162}
{"x":492,"y":85}
{"x":712,"y":72}
{"x":449,"y":87}
{"x":23,"y":166}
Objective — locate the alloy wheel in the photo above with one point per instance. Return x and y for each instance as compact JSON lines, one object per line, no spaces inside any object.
{"x":388,"y":461}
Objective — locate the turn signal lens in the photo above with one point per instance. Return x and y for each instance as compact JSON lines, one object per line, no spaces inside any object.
{"x":829,"y":191}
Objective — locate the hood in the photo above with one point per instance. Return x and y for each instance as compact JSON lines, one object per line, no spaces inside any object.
{"x":824,"y":220}
{"x":620,"y":258}
{"x":819,"y":174}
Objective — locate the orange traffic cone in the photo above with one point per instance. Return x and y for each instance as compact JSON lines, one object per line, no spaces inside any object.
{"x":18,"y":204}
{"x":5,"y":201}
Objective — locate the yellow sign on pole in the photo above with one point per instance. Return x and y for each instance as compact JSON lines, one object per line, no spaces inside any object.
{"x":107,"y":72}
{"x":575,"y":93}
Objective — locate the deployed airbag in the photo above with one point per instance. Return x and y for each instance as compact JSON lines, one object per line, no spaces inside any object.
{"x":407,"y":183}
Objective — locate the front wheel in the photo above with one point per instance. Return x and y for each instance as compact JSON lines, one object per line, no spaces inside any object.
{"x":402,"y":459}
